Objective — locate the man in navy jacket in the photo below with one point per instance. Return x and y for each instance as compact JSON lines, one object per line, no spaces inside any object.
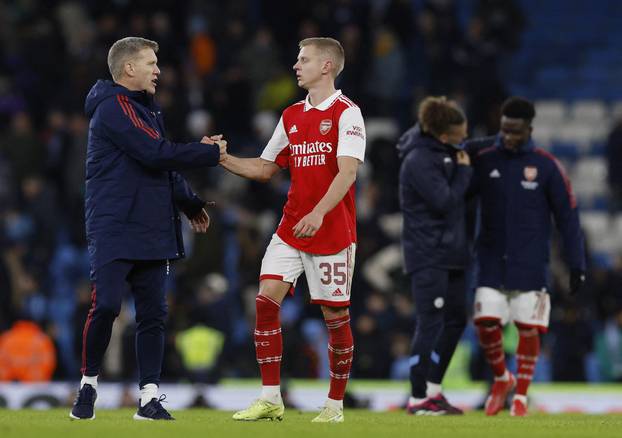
{"x":133,"y":201}
{"x":521,"y":189}
{"x":434,"y":177}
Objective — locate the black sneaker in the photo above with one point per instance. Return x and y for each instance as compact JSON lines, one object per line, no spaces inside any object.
{"x":153,"y":410}
{"x":84,"y":406}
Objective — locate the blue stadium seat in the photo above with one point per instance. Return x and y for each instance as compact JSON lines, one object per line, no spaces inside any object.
{"x":565,"y":151}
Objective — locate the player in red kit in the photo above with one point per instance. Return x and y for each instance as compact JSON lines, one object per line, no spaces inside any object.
{"x":321,"y":140}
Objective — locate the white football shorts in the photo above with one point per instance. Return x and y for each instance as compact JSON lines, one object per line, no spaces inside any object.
{"x":529,"y":308}
{"x":329,"y":276}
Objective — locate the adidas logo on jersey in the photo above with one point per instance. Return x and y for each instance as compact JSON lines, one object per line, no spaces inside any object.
{"x":495,"y":174}
{"x":293,"y":129}
{"x":338,"y":293}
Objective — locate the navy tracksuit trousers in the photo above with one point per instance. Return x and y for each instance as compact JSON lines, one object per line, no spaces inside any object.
{"x":147,"y":282}
{"x":440,"y":310}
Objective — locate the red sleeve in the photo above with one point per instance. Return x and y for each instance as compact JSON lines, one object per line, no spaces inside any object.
{"x":282,"y":159}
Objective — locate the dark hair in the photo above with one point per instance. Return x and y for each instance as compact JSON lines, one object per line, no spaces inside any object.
{"x":518,"y":108}
{"x":437,"y":115}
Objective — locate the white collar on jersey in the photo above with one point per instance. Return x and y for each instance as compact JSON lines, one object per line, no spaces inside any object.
{"x":325,"y":104}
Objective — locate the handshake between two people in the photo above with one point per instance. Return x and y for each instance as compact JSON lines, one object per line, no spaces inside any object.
{"x":200,"y":222}
{"x":217,"y":140}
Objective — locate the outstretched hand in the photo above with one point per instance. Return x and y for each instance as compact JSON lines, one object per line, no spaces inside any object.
{"x":308,"y":225}
{"x":222,"y":145}
{"x":200,"y":222}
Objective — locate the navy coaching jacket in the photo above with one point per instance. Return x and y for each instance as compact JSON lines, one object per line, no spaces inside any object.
{"x":431,"y":190}
{"x":133,"y":194}
{"x":520,"y":193}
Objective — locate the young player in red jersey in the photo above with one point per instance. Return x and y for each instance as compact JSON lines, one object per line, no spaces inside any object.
{"x":321,"y":140}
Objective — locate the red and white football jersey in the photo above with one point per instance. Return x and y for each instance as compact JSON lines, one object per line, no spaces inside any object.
{"x":308,"y":141}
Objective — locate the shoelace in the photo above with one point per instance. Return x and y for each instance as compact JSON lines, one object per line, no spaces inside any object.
{"x":160,"y":410}
{"x":83,"y":398}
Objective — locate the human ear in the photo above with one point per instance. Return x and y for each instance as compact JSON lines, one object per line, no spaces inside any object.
{"x":129,"y":69}
{"x":328,"y":66}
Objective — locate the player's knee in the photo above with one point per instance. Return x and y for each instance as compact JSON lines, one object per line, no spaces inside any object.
{"x":150,"y":323}
{"x":334,"y":312}
{"x":266,"y":310}
{"x":275,"y":290}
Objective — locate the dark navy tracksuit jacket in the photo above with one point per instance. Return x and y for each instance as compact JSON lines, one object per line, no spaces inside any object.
{"x":133,"y":194}
{"x":432,"y":188}
{"x":520,"y":193}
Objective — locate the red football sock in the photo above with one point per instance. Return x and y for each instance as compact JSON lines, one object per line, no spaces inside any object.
{"x":526,"y":357}
{"x":491,"y":340}
{"x":340,"y":354}
{"x":268,"y":340}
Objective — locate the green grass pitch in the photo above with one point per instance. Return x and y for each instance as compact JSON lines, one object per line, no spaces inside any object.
{"x":204,"y":423}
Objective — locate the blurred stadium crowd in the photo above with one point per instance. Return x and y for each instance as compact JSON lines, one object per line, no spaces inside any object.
{"x":226,"y":68}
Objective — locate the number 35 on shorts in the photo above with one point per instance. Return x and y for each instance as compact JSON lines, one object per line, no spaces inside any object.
{"x":333,"y":273}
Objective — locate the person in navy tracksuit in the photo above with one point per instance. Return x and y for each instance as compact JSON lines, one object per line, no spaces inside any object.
{"x":434,"y":177}
{"x":521,"y":188}
{"x":132,"y":212}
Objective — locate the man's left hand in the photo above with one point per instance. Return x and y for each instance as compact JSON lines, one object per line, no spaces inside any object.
{"x":200,"y":222}
{"x":308,"y":225}
{"x":577,"y":280}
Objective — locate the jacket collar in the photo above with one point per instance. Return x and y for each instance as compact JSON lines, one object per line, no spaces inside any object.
{"x":325,"y":104}
{"x":523,"y":149}
{"x":141,"y":97}
{"x":431,"y":142}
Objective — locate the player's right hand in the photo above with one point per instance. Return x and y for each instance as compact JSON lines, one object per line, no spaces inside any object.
{"x":222,"y":145}
{"x":463,"y":158}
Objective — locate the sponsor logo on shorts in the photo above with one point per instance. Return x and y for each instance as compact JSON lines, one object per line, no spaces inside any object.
{"x":337,"y":293}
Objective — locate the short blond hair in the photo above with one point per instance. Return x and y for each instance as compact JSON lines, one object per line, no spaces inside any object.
{"x":124,"y":50}
{"x":329,"y":47}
